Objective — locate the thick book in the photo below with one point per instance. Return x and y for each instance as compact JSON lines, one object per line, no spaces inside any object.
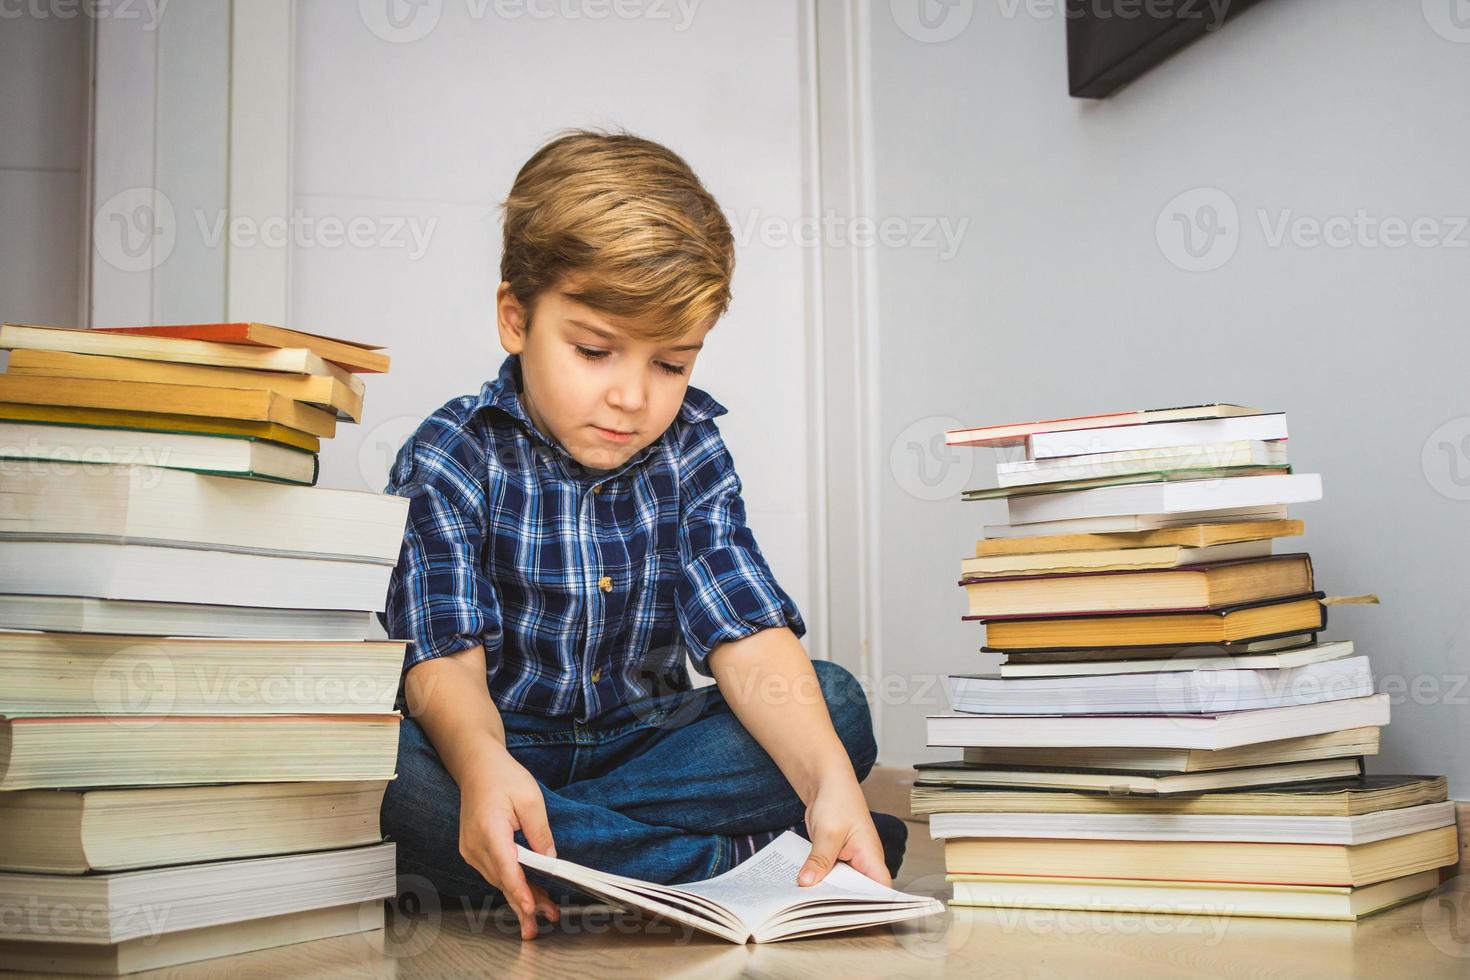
{"x":1204,"y":586}
{"x":171,"y":750}
{"x":1363,"y":828}
{"x":756,"y":901}
{"x":83,"y":674}
{"x":78,"y":831}
{"x":1185,"y":692}
{"x":131,"y":421}
{"x":1263,"y":620}
{"x":1187,"y":536}
{"x":161,"y":573}
{"x":1265,"y":427}
{"x":1170,"y":459}
{"x":150,"y":505}
{"x":1334,"y":798}
{"x":1109,"y":560}
{"x":1137,"y":523}
{"x":1016,"y":433}
{"x":108,"y":908}
{"x":1218,"y":731}
{"x":1329,"y":745}
{"x":1267,"y":864}
{"x":1326,"y":902}
{"x":78,"y":340}
{"x":322,"y":391}
{"x":1167,"y":497}
{"x":1184,"y":659}
{"x":224,"y":454}
{"x":348,"y":354}
{"x":1133,"y":783}
{"x":253,"y":405}
{"x":83,"y":614}
{"x":154,"y":951}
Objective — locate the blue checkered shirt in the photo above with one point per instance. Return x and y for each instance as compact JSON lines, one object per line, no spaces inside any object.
{"x":587,"y":588}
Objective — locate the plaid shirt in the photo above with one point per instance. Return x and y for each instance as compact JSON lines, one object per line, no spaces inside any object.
{"x":587,"y":588}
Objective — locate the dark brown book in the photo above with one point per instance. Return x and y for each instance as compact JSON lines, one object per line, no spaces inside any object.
{"x":1228,"y":624}
{"x":1242,"y":649}
{"x":1206,"y":586}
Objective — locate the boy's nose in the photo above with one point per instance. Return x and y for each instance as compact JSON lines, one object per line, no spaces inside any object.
{"x":628,"y":394}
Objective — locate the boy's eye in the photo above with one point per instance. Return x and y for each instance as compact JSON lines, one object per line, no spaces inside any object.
{"x":593,"y":354}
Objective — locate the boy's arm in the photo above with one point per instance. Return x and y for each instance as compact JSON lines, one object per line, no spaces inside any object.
{"x":497,"y":795}
{"x":441,"y":599}
{"x":768,"y":680}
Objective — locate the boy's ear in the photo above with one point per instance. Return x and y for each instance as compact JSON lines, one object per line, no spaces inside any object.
{"x":511,"y":318}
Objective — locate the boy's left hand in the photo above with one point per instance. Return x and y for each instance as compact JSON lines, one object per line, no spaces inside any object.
{"x":842,"y":830}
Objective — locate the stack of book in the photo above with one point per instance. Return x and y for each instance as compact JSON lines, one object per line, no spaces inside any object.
{"x":1169,"y":730}
{"x":195,"y":729}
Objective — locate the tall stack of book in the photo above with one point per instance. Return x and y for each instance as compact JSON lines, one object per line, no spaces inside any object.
{"x":1168,"y":730}
{"x":195,"y":729}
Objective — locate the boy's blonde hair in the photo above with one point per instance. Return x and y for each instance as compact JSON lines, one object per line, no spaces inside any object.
{"x":625,"y":225}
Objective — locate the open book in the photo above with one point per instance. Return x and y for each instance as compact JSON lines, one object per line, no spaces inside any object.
{"x":757,"y":900}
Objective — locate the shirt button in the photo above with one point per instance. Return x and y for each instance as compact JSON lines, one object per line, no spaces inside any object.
{"x":605,"y":583}
{"x":597,"y":675}
{"x":597,"y":489}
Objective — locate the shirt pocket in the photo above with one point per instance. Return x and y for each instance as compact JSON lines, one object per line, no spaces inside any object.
{"x":656,"y":653}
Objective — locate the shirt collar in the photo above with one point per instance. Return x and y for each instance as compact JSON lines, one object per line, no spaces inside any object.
{"x":504,"y":393}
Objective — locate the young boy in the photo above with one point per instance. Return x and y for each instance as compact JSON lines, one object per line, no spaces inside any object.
{"x":576,"y":533}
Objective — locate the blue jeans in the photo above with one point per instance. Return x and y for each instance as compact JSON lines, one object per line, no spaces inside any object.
{"x":655,"y":791}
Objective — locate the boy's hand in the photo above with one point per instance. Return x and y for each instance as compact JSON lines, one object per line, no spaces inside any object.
{"x":499,"y":799}
{"x":842,"y":830}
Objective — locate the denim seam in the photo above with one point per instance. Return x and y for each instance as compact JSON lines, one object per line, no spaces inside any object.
{"x":723,"y":846}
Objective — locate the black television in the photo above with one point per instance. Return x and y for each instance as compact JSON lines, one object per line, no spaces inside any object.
{"x":1112,"y":42}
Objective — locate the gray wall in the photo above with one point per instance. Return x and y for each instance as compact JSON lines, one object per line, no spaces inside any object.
{"x":1065,"y":297}
{"x":43,"y":125}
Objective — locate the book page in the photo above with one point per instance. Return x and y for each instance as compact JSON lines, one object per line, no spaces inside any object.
{"x":765,"y":884}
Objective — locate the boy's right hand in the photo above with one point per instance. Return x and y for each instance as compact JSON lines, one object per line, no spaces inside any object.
{"x":499,"y":799}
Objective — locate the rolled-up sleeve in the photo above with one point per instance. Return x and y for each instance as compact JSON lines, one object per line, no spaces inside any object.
{"x":439,"y":597}
{"x":725,"y":590}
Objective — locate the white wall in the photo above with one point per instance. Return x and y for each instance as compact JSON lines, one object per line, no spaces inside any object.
{"x":427,"y":132}
{"x":43,"y":123}
{"x":1062,"y":300}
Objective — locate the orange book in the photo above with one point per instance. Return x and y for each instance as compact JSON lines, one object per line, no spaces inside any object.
{"x":101,"y":418}
{"x":361,"y":358}
{"x":312,"y":389}
{"x":250,"y":404}
{"x":172,"y":350}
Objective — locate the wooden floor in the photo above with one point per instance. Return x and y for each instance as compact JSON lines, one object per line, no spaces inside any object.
{"x":1425,"y":940}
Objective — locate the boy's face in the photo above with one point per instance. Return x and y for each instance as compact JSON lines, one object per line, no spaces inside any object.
{"x":589,"y":384}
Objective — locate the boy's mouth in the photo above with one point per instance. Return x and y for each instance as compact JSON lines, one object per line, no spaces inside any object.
{"x":613,"y":435}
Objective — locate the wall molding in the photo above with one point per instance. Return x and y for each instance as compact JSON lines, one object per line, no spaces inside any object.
{"x":262,"y":82}
{"x":848,"y":414}
{"x":819,"y":485}
{"x":142,"y":192}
